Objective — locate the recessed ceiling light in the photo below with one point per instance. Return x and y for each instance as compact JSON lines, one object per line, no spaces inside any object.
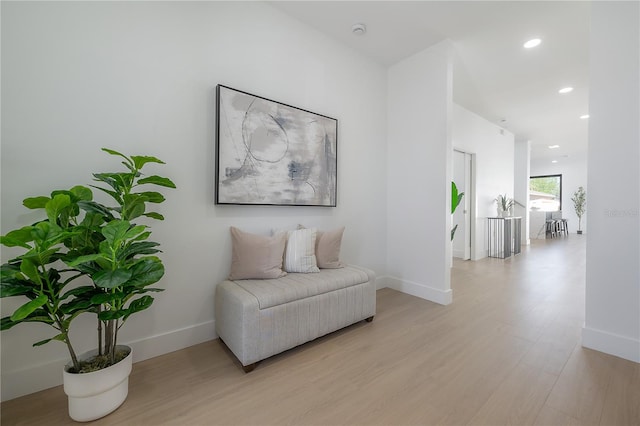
{"x":359,"y":29}
{"x":584,"y":117}
{"x":554,"y":146}
{"x":532,"y":43}
{"x":565,"y":90}
{"x":554,"y":161}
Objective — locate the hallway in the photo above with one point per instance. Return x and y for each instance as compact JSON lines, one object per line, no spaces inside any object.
{"x":539,"y":297}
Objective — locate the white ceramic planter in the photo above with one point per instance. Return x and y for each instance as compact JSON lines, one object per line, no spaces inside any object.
{"x":96,"y":394}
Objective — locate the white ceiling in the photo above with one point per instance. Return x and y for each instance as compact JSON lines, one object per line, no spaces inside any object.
{"x":494,"y":75}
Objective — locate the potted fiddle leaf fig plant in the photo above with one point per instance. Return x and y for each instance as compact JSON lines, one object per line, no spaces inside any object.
{"x":83,"y":238}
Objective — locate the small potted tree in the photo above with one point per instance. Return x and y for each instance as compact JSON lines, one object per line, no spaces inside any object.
{"x":579,"y":204}
{"x":83,"y":238}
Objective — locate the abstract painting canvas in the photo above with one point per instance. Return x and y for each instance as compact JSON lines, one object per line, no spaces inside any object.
{"x":269,"y":153}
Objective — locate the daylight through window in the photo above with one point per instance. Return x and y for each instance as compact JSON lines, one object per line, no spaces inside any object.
{"x":545,"y":193}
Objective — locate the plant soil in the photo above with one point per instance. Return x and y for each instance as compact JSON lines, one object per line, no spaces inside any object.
{"x":99,"y":362}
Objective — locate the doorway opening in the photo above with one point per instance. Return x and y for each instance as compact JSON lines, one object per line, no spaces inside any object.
{"x":463,"y":243}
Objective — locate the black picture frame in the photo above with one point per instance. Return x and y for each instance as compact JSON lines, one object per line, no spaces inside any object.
{"x":271,"y":153}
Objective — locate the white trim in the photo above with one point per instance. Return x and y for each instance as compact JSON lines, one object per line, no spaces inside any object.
{"x":23,"y":382}
{"x":382,"y":282}
{"x":422,"y":291}
{"x":613,"y":344}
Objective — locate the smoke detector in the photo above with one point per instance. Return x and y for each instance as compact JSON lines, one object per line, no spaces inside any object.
{"x":359,"y":29}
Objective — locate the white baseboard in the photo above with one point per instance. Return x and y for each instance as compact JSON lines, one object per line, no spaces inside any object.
{"x":613,"y":344}
{"x":23,"y":382}
{"x":458,"y":253}
{"x":480,"y":254}
{"x":419,"y":290}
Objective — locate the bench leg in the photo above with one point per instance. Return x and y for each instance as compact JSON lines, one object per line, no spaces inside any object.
{"x":249,"y":368}
{"x":369,"y":319}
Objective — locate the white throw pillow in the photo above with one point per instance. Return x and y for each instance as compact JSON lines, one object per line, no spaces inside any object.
{"x":299,"y":255}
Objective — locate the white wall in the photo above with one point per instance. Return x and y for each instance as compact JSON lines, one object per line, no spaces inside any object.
{"x":140,"y":77}
{"x":522,"y":172}
{"x":494,"y":166}
{"x":574,"y":175}
{"x":612,"y":314}
{"x":419,"y":174}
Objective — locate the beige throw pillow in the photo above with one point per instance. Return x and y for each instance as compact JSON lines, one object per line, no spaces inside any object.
{"x":328,"y":245}
{"x":256,"y":256}
{"x":328,"y":249}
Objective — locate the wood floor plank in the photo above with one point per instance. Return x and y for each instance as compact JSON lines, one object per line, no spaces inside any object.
{"x":622,"y":403}
{"x":549,"y":416}
{"x":581,"y":388}
{"x":515,"y":404}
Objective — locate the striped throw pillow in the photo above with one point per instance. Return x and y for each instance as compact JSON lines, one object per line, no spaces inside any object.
{"x":299,"y":255}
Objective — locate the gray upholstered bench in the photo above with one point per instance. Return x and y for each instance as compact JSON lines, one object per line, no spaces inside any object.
{"x":260,"y":318}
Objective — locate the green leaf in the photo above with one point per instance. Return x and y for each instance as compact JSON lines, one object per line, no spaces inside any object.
{"x":92,"y":220}
{"x":76,"y":305}
{"x":10,"y":271}
{"x":9,"y":289}
{"x":146,"y":272}
{"x":115,"y":231}
{"x":144,"y":247}
{"x":154,"y":215}
{"x":454,"y":197}
{"x":82,"y":291}
{"x":39,"y":315}
{"x":48,"y":234}
{"x":36,"y":202}
{"x":23,"y":311}
{"x":157,"y":180}
{"x":111,"y":315}
{"x":135,"y":231}
{"x":73,"y":262}
{"x":6,"y":323}
{"x":19,"y":237}
{"x":93,"y":207}
{"x":140,"y":161}
{"x":142,"y":236}
{"x":133,"y":206}
{"x":82,"y":193}
{"x":28,"y":268}
{"x":152,"y":197}
{"x":138,"y":305}
{"x":113,"y":152}
{"x":102,"y":298}
{"x":149,"y":289}
{"x":59,"y":337}
{"x":121,"y":182}
{"x":42,"y":342}
{"x":115,"y":195}
{"x":56,"y":205}
{"x":42,"y":258}
{"x":111,"y":279}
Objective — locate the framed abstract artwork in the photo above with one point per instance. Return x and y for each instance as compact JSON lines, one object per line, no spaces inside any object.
{"x":270,"y":153}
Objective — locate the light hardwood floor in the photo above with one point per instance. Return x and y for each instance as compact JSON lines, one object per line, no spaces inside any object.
{"x":506,"y":352}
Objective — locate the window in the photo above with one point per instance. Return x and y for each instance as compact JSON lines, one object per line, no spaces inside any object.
{"x":545,"y":193}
